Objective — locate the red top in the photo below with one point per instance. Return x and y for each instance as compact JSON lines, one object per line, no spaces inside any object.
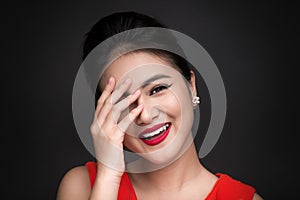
{"x":224,"y":189}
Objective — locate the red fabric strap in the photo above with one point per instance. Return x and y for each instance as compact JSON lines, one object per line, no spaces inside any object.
{"x":224,"y":189}
{"x":126,"y":191}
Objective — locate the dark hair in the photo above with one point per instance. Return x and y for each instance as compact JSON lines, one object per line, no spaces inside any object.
{"x":124,"y":21}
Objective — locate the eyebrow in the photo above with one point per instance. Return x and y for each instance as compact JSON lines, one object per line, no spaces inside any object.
{"x":154,"y":78}
{"x":150,"y":80}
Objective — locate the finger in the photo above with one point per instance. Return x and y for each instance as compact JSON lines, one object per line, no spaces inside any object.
{"x":103,"y":113}
{"x":105,"y":94}
{"x":108,"y":103}
{"x":118,"y":93}
{"x":125,"y":123}
{"x":122,"y":105}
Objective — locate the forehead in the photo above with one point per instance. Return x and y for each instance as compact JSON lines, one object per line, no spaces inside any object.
{"x":138,"y":66}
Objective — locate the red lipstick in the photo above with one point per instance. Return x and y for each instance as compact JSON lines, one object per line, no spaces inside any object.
{"x":156,"y":134}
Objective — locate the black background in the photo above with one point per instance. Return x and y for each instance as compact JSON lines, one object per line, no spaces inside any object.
{"x":252,"y":43}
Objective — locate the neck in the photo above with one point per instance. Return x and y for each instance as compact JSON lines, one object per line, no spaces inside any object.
{"x":173,"y":177}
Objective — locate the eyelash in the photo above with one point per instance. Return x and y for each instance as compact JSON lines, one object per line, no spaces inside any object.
{"x":159,"y":88}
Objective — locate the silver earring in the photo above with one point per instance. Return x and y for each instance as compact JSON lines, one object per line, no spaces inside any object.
{"x":196,"y":100}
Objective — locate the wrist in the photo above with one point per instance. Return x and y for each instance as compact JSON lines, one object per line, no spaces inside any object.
{"x":108,"y":173}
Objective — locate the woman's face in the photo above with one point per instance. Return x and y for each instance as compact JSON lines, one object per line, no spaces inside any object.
{"x":164,"y":125}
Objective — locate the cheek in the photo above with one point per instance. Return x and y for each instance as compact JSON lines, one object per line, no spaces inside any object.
{"x":131,"y":143}
{"x":182,"y":108}
{"x":172,"y":106}
{"x":178,"y":99}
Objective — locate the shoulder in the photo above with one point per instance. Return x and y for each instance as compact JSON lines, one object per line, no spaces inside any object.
{"x":257,"y":197}
{"x":228,"y":182}
{"x":245,"y":190}
{"x":75,"y":184}
{"x":229,"y":188}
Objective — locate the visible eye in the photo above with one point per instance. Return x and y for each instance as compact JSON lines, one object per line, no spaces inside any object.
{"x":158,"y":88}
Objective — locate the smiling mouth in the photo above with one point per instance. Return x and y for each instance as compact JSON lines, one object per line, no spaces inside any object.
{"x":156,"y":134}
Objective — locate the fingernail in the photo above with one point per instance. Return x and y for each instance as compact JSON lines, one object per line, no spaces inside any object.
{"x":139,"y":107}
{"x":136,"y":93}
{"x":110,"y":81}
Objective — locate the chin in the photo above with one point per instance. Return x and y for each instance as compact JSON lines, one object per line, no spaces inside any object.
{"x":163,"y":156}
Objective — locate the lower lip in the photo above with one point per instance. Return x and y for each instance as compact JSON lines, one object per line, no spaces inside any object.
{"x":158,"y":139}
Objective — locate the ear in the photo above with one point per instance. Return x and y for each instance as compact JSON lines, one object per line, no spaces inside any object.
{"x":193,"y":84}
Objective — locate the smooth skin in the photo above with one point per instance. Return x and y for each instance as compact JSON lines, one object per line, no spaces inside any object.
{"x":192,"y":180}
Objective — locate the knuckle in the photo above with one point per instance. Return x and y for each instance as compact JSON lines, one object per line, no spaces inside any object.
{"x":107,"y":101}
{"x":100,"y":101}
{"x":94,"y":128}
{"x":107,"y":89}
{"x":116,"y":109}
{"x":114,"y":97}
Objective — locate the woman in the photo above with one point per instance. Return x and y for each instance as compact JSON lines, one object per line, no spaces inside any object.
{"x":145,"y":103}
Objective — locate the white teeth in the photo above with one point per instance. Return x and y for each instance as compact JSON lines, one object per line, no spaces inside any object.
{"x":156,"y":132}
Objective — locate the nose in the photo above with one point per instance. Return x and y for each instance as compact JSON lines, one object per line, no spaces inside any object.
{"x":148,"y":113}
